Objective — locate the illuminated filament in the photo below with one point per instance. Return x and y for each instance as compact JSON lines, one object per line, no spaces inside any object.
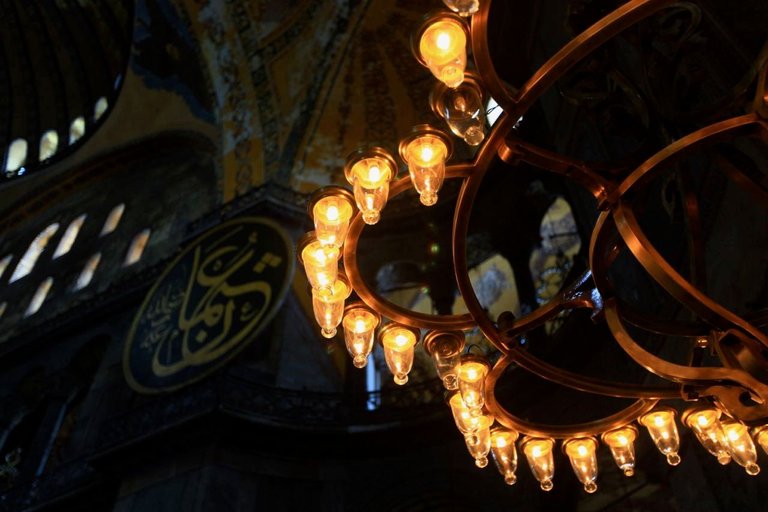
{"x":741,"y":446}
{"x":505,"y":454}
{"x":663,"y":430}
{"x":359,"y":329}
{"x":581,"y":453}
{"x":465,"y":421}
{"x":479,"y":441}
{"x":331,"y":216}
{"x":328,"y":306}
{"x":370,"y":179}
{"x":705,"y":423}
{"x":398,"y":343}
{"x":538,"y":451}
{"x":426,"y":156}
{"x":443,"y":48}
{"x":471,"y":373}
{"x":321,"y":264}
{"x":621,"y":442}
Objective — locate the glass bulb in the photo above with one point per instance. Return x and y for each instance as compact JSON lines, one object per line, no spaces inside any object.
{"x":321,"y":264}
{"x":425,"y":156}
{"x":328,"y":306}
{"x":463,"y":109}
{"x":463,"y":7}
{"x":443,"y":47}
{"x":663,"y":430}
{"x":705,"y":423}
{"x":465,"y":421}
{"x":471,"y":373}
{"x":398,"y":345}
{"x":370,"y":179}
{"x":581,"y":453}
{"x":538,"y":451}
{"x":331,"y":216}
{"x":359,"y":328}
{"x":445,"y":349}
{"x":504,"y":453}
{"x":761,"y":436}
{"x":479,"y":441}
{"x":621,"y":442}
{"x":741,"y":446}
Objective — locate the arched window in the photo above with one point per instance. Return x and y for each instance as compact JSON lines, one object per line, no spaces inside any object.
{"x":4,"y":263}
{"x":76,"y":129}
{"x":100,"y":108}
{"x":84,"y":279}
{"x":27,"y":262}
{"x":137,"y":247}
{"x":68,"y":239}
{"x":17,"y":155}
{"x":49,"y":143}
{"x":37,"y":300}
{"x":113,"y":219}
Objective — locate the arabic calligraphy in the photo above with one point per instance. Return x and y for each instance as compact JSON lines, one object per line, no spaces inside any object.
{"x":208,"y":304}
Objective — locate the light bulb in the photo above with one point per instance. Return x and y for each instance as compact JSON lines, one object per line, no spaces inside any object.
{"x":445,"y":348}
{"x":663,"y":430}
{"x":462,"y":108}
{"x":479,"y":441}
{"x":370,"y":172}
{"x":398,"y":343}
{"x":538,"y":451}
{"x":741,"y":446}
{"x":761,"y":436}
{"x":463,"y":7}
{"x":621,"y":442}
{"x":705,"y":423}
{"x":442,"y":47}
{"x":359,"y":329}
{"x":581,"y":452}
{"x":465,"y":421}
{"x":331,"y":215}
{"x":328,"y":305}
{"x":471,"y":372}
{"x":425,"y":152}
{"x":504,"y":453}
{"x":321,"y":264}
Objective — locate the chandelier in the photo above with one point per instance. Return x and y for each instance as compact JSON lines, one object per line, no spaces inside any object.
{"x":727,"y":409}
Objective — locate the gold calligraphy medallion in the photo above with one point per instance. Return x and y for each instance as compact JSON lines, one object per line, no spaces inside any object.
{"x":209,"y":304}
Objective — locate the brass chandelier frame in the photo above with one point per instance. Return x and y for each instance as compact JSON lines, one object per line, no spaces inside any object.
{"x":739,"y":388}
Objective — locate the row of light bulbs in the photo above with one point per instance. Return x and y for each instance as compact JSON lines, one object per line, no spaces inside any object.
{"x":727,"y":440}
{"x":458,"y":100}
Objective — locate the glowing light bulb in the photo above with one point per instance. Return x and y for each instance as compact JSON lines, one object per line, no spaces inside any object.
{"x":661,"y":426}
{"x":328,"y":305}
{"x":761,"y":436}
{"x":442,"y":48}
{"x":705,"y":423}
{"x":504,"y":453}
{"x":398,"y":343}
{"x":621,"y":443}
{"x":581,"y":453}
{"x":320,"y":264}
{"x":741,"y":446}
{"x":331,"y":213}
{"x":425,"y":153}
{"x":471,"y":373}
{"x":370,"y":172}
{"x":479,"y":441}
{"x":359,"y":328}
{"x":538,"y":451}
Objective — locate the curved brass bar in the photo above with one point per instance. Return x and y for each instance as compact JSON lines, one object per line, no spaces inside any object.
{"x":515,"y":149}
{"x":674,"y":283}
{"x":377,"y":303}
{"x":741,"y":125}
{"x":701,"y":376}
{"x":517,"y":102}
{"x":592,"y":428}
